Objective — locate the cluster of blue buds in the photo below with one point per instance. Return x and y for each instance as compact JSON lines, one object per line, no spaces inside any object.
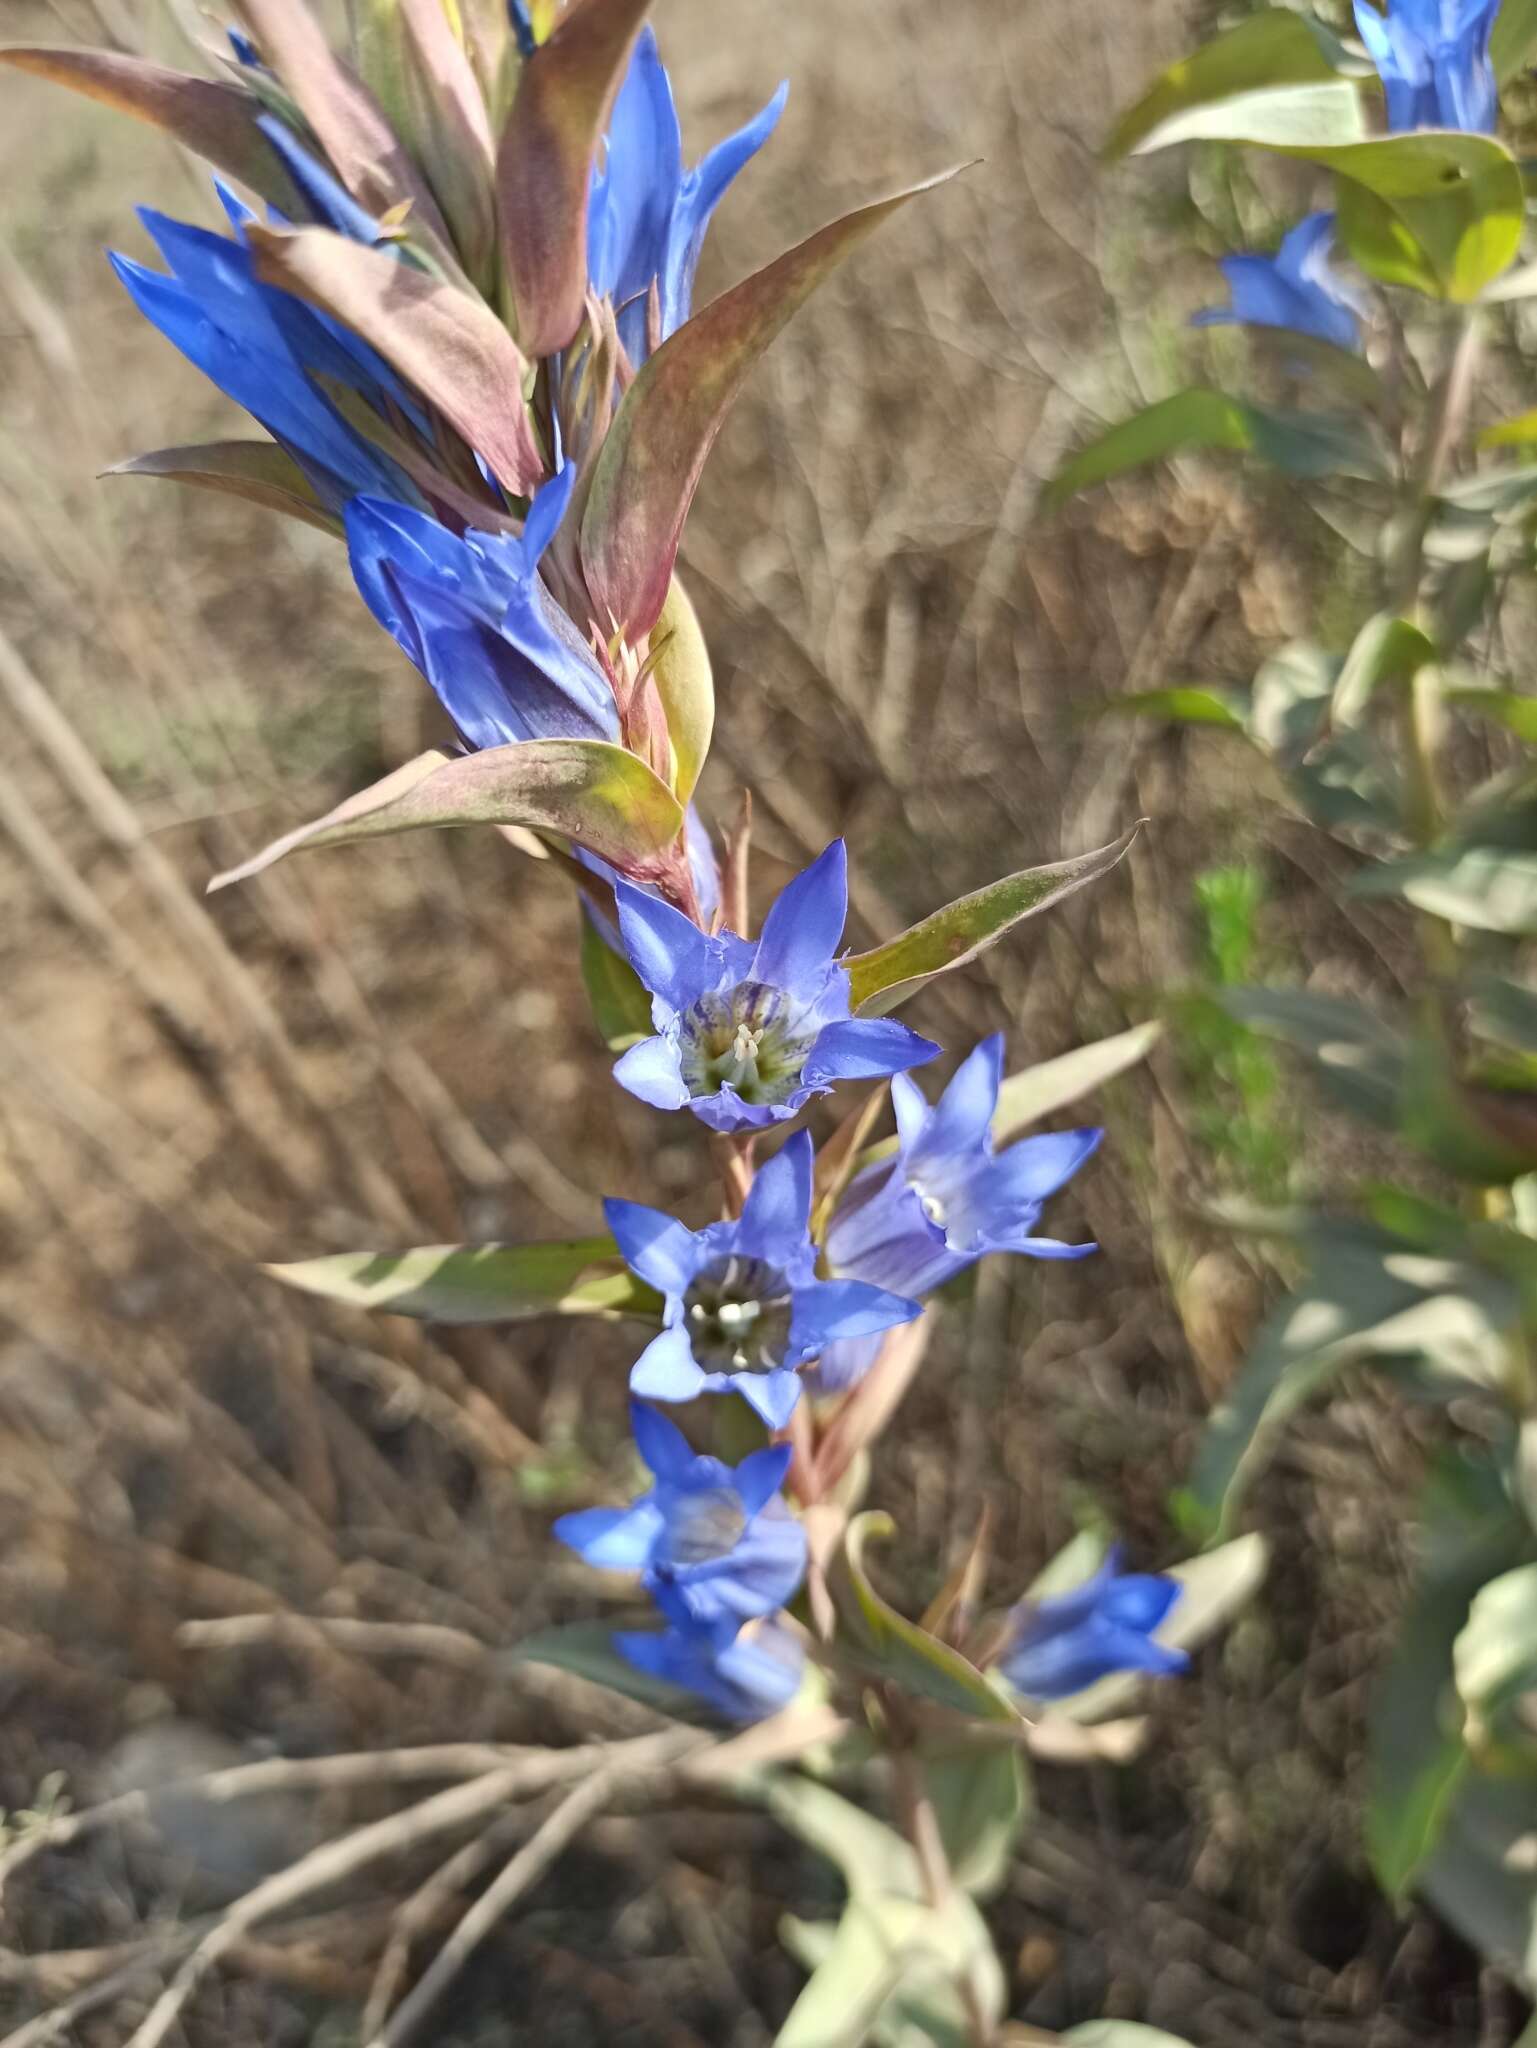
{"x":464,"y":316}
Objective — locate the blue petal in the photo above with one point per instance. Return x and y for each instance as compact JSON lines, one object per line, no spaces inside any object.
{"x":669,"y":952}
{"x":842,"y":1365}
{"x":803,"y":928}
{"x":701,"y":191}
{"x":961,"y":1122}
{"x":651,"y":1071}
{"x":667,"y":1452}
{"x":772,"y":1395}
{"x":758,"y":1577}
{"x":1140,"y":1600}
{"x":865,"y":1049}
{"x":778,"y":1207}
{"x":546,"y":510}
{"x":830,"y":1309}
{"x":663,"y":1251}
{"x":634,"y":189}
{"x":331,"y":204}
{"x":613,"y":1539}
{"x":666,"y":1371}
{"x":760,"y":1476}
{"x":726,"y":1111}
{"x":911,"y":1107}
{"x":1036,"y":1167}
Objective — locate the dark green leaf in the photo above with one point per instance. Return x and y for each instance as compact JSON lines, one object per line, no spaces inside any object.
{"x":887,"y":975}
{"x":1485,"y":888}
{"x":487,"y":1283}
{"x":1355,"y":1056}
{"x":586,"y":1648}
{"x":1273,"y":48}
{"x":621,"y":1005}
{"x":980,"y":1799}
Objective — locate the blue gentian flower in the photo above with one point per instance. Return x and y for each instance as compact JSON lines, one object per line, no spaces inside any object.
{"x":744,"y":1308}
{"x":1297,"y":289}
{"x":1058,"y":1647}
{"x":474,"y":614}
{"x":1433,"y":59}
{"x":916,"y":1221}
{"x":714,"y":1544}
{"x":646,"y":215}
{"x":747,"y":1680}
{"x":747,"y":1033}
{"x":265,"y":349}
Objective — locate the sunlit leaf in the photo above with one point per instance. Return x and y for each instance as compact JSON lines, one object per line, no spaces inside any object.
{"x":1510,"y":708}
{"x":446,"y":342}
{"x":544,"y":167}
{"x":1121,"y":2034}
{"x":445,"y":119}
{"x":887,"y":1645}
{"x":1513,"y":38}
{"x":684,"y":683}
{"x":1181,"y":704}
{"x":1302,"y":116}
{"x":1386,"y":650}
{"x":1495,"y":1655}
{"x":482,"y":1283}
{"x":218,"y":122}
{"x":1040,"y":1091}
{"x":259,"y":471}
{"x":888,"y":974}
{"x":1487,"y":888}
{"x":1270,"y":49}
{"x":594,"y":794}
{"x":651,"y":460}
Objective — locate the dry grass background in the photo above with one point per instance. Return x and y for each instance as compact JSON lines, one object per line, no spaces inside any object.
{"x":390,"y":1045}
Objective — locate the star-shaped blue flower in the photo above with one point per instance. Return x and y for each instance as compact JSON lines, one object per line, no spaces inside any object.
{"x":752,"y":1677}
{"x":914,"y":1222}
{"x":744,"y":1308}
{"x":747,"y":1033}
{"x":474,"y":614}
{"x":714,"y":1544}
{"x":1060,"y":1646}
{"x":646,"y":215}
{"x":1433,"y":59}
{"x":1297,"y":289}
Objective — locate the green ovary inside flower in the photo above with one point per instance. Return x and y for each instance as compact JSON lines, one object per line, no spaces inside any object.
{"x":738,"y":1313}
{"x":744,"y":1039}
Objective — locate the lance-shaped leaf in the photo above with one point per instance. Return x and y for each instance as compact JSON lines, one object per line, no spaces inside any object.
{"x":1270,"y":49}
{"x":887,"y":1645}
{"x":650,"y":464}
{"x":544,"y":167}
{"x":445,"y":342}
{"x":686,"y":687}
{"x":621,"y":1003}
{"x":352,"y":127}
{"x":217,"y":121}
{"x":592,"y":793}
{"x":445,"y":118}
{"x":258,"y":471}
{"x":1041,"y":1091}
{"x":481,"y":1283}
{"x":886,"y":976}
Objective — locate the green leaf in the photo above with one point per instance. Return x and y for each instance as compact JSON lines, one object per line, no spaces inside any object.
{"x":1121,"y":2034}
{"x":1457,"y":199}
{"x":1504,"y":1010}
{"x":544,"y":166}
{"x":483,"y":1283}
{"x":1371,"y":233}
{"x":1386,"y":650}
{"x":1298,"y":117}
{"x":259,"y":471}
{"x":685,"y":686}
{"x":1274,"y":48}
{"x":1365,"y":1296}
{"x":621,"y":1004}
{"x":1510,"y":708}
{"x":653,"y":455}
{"x":1513,"y":38}
{"x":871,"y":1857}
{"x":1356,"y":1057}
{"x":1182,"y":704}
{"x":592,"y":793}
{"x":1479,"y":1875}
{"x":1291,"y":693}
{"x":1040,"y":1091}
{"x":586,"y":1648}
{"x":1416,"y":1756}
{"x":445,"y":342}
{"x":886,"y":976}
{"x":1495,"y":1655}
{"x":980,"y":1799}
{"x":218,"y":122}
{"x":1485,"y":888}
{"x":1301,"y":444}
{"x":887,"y":1645}
{"x":442,"y":115}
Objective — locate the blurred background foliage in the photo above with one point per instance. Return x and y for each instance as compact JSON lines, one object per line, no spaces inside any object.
{"x":396,"y":1048}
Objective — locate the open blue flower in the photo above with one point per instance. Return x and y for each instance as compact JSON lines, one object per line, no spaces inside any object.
{"x":747,"y":1033}
{"x":266,"y":349}
{"x":646,"y":215}
{"x":1058,"y":1647}
{"x":752,"y":1677}
{"x":1433,"y":59}
{"x":714,"y":1544}
{"x":472,"y":611}
{"x":1297,"y":289}
{"x":914,"y":1222}
{"x":744,"y":1306}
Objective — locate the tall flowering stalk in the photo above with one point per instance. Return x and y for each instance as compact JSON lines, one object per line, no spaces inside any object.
{"x":455,"y":287}
{"x":1409,"y":746}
